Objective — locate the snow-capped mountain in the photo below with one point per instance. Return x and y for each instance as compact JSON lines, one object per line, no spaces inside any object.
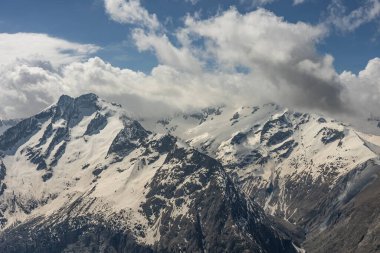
{"x":300,"y":167}
{"x":81,"y":176}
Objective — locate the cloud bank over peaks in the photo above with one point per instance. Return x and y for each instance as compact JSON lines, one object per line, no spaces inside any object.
{"x":231,"y":58}
{"x":29,"y":70}
{"x":280,"y":57}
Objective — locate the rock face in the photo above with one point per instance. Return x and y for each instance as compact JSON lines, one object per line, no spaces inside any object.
{"x":96,"y":125}
{"x":128,"y":139}
{"x":5,"y":124}
{"x":13,"y":137}
{"x":295,"y":166}
{"x":3,"y":172}
{"x":214,"y":216}
{"x":77,"y":234}
{"x":83,"y":177}
{"x":349,"y":217}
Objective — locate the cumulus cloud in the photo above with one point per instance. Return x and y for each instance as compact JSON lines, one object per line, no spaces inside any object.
{"x":29,"y":66}
{"x":364,"y":88}
{"x":167,"y":53}
{"x":203,"y":70}
{"x":26,"y":89}
{"x":131,"y":12}
{"x":231,"y":58}
{"x":42,"y":48}
{"x":278,"y":55}
{"x":348,"y":22}
{"x":164,"y":90}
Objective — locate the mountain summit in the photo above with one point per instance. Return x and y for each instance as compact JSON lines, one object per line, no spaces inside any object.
{"x":82,"y":176}
{"x":313,"y":171}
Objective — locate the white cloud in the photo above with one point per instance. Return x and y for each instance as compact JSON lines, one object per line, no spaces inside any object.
{"x":363,"y":89}
{"x":131,"y":12}
{"x":297,"y":2}
{"x":278,"y":54}
{"x":235,"y":39}
{"x":29,"y":66}
{"x":203,"y":70}
{"x":281,"y":60}
{"x":26,"y":90}
{"x":165,"y":89}
{"x":41,"y":47}
{"x":347,"y":22}
{"x":165,"y":85}
{"x":180,"y":58}
{"x":204,"y":67}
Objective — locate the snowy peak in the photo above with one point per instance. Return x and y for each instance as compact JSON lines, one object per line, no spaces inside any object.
{"x":197,"y":182}
{"x":180,"y":200}
{"x":192,"y":194}
{"x":267,"y":148}
{"x":66,"y":114}
{"x":83,"y":163}
{"x":74,"y":109}
{"x":44,"y":138}
{"x":299,"y":167}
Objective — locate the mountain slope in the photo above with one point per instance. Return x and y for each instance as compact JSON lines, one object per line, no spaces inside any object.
{"x":349,"y":218}
{"x":82,"y":176}
{"x":5,"y":124}
{"x":290,"y":163}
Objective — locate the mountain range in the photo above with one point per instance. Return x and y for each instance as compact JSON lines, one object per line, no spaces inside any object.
{"x":85,"y":176}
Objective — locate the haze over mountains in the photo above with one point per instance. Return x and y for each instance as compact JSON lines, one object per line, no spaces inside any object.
{"x":83,"y":176}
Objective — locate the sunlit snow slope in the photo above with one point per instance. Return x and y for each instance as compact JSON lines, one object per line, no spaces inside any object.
{"x":82,"y":176}
{"x":298,"y":166}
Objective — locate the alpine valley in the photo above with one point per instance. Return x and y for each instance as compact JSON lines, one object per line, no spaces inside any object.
{"x":85,"y":176}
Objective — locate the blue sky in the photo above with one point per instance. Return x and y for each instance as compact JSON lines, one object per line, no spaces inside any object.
{"x":158,"y":57}
{"x":86,"y":21}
